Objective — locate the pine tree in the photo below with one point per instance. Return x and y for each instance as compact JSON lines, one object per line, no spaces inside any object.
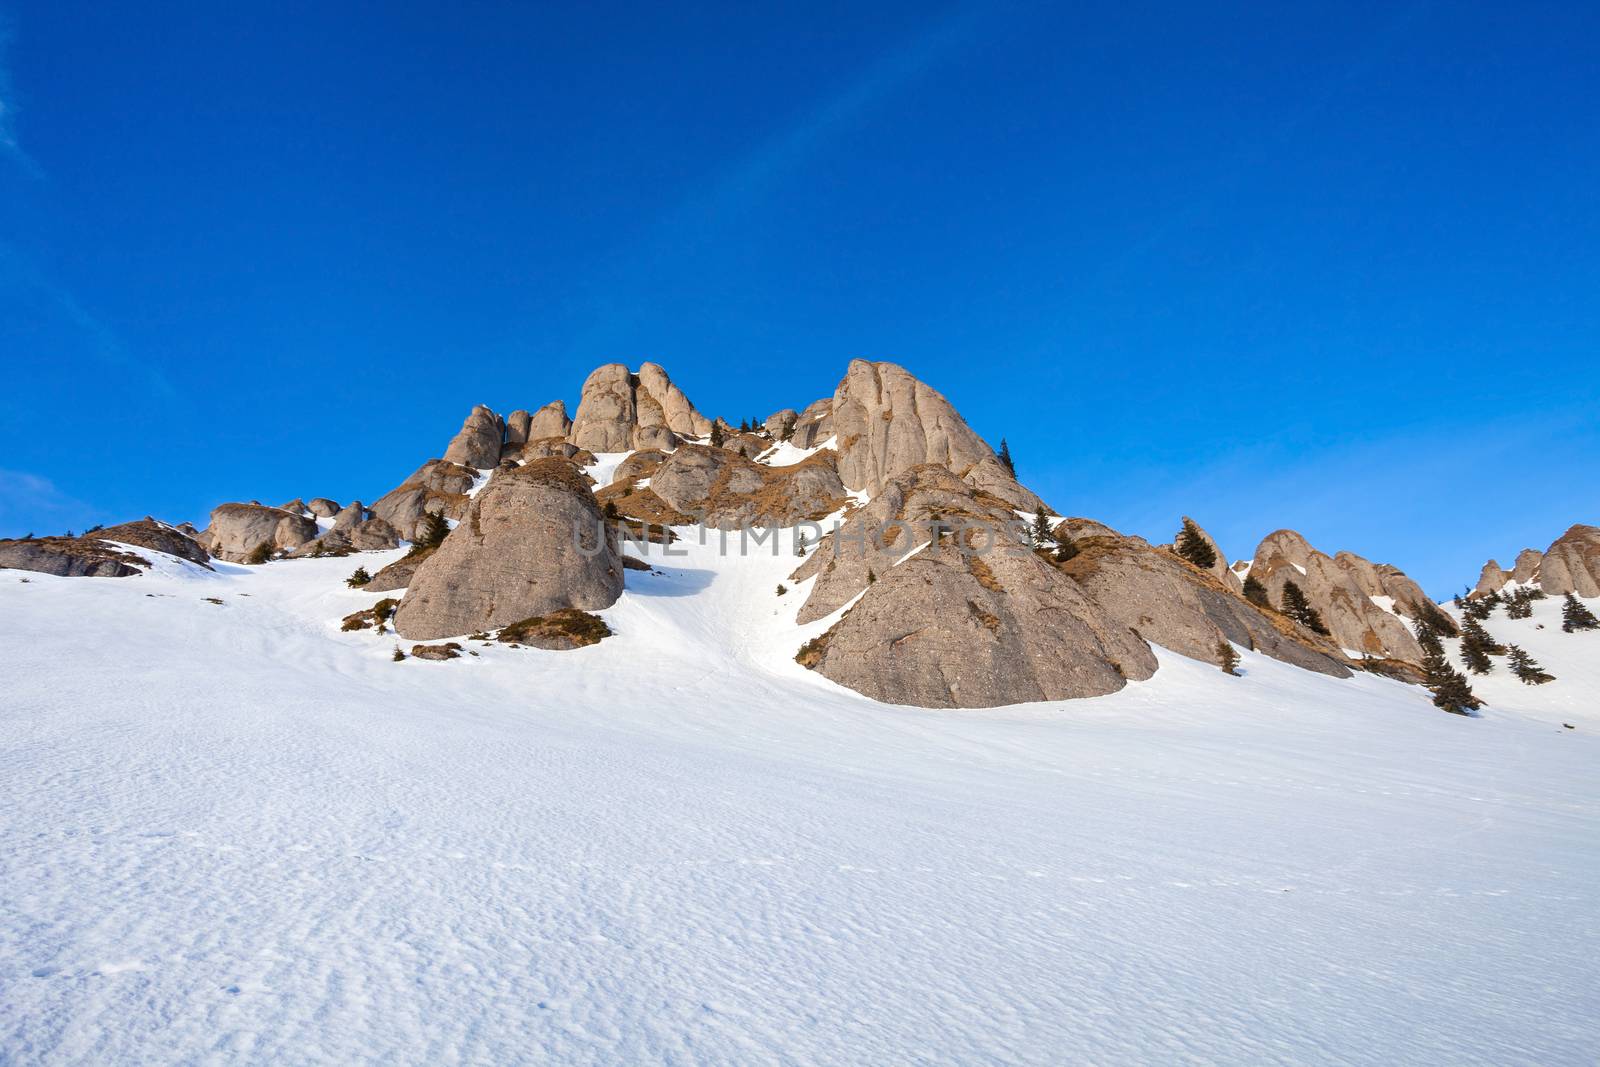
{"x":1041,"y":528}
{"x":434,"y":531}
{"x":1472,"y":630}
{"x":1450,"y":688}
{"x":1519,"y":605}
{"x":1227,"y":656}
{"x":1298,"y":608}
{"x":1575,"y":617}
{"x":799,"y":544}
{"x":1066,"y":548}
{"x":744,"y":425}
{"x":1527,"y":671}
{"x":260,"y":554}
{"x":1005,"y":458}
{"x":358,"y":579}
{"x":1193,"y":546}
{"x":1473,"y":651}
{"x":716,"y":434}
{"x":1255,"y":592}
{"x":611,"y":512}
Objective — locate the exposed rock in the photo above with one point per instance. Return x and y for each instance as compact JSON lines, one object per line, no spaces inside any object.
{"x":888,"y":422}
{"x":658,"y":437}
{"x":730,"y":490}
{"x":370,"y":618}
{"x":398,"y":574}
{"x":158,"y":537}
{"x":559,"y":447}
{"x":1171,"y":602}
{"x":1077,"y":528}
{"x":1572,"y":563}
{"x":549,"y":421}
{"x":323,"y":508}
{"x":517,"y":424}
{"x":952,"y":624}
{"x":607,"y":415}
{"x":780,"y":424}
{"x":237,"y":530}
{"x":1526,"y":568}
{"x":69,"y":557}
{"x":814,"y":425}
{"x":477,"y":444}
{"x":438,"y":485}
{"x":747,"y":445}
{"x":449,"y":650}
{"x":520,"y":552}
{"x":1219,"y":567}
{"x":1354,"y":621}
{"x":295,"y":506}
{"x":558,"y":631}
{"x":1491,"y":579}
{"x":1384,"y":580}
{"x":679,"y":415}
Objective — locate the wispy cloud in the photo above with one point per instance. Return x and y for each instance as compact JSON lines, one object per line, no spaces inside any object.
{"x":8,"y":109}
{"x":30,"y":503}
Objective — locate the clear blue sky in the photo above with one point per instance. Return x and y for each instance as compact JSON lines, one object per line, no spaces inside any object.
{"x":1334,"y":267}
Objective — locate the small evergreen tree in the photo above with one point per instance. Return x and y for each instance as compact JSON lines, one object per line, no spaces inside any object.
{"x":1527,"y":671}
{"x":1066,"y":548}
{"x":1575,"y":617}
{"x":870,"y":576}
{"x":1193,"y":546}
{"x":358,"y":579}
{"x":1472,"y":630}
{"x":1041,"y":528}
{"x":1005,"y":458}
{"x":782,"y":589}
{"x":1298,"y":608}
{"x":434,"y":531}
{"x":260,"y":554}
{"x":744,"y":425}
{"x":1519,"y":605}
{"x":1450,"y":688}
{"x":1227,"y":657}
{"x":1255,"y":592}
{"x":1474,"y":653}
{"x":716,"y":434}
{"x":610,"y":511}
{"x":800,"y":544}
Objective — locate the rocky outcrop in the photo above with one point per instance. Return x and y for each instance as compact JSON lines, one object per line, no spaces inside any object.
{"x":1354,"y":621}
{"x":955,"y":609}
{"x":517,"y":424}
{"x":1219,"y":568}
{"x":157,"y":536}
{"x":549,"y":421}
{"x":521,"y":551}
{"x":398,"y":574}
{"x":69,"y":557}
{"x":1494,"y":577}
{"x":1169,"y":601}
{"x":814,"y":425}
{"x":731,"y":491}
{"x":620,"y":410}
{"x":237,"y":530}
{"x":353,"y":530}
{"x":1491,"y":579}
{"x":323,"y":508}
{"x":478,"y":442}
{"x":1526,"y":569}
{"x":1572,"y":563}
{"x":438,"y":485}
{"x":1387,"y":584}
{"x":780,"y":424}
{"x":887,"y":422}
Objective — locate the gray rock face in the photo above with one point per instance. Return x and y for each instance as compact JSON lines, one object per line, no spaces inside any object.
{"x":477,"y":444}
{"x":780,"y":424}
{"x":549,"y":421}
{"x":237,"y":530}
{"x":158,"y":537}
{"x":546,"y":447}
{"x":1572,"y":563}
{"x":887,"y":422}
{"x":620,"y":410}
{"x":517,"y":424}
{"x":1491,"y":579}
{"x":942,"y":627}
{"x":814,"y":425}
{"x":438,"y":485}
{"x":69,"y":557}
{"x":323,"y":508}
{"x":520,"y":552}
{"x":1526,"y":568}
{"x":1355,"y":621}
{"x":730,"y":490}
{"x":1171,"y":603}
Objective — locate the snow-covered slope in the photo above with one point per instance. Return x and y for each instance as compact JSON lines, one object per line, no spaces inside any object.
{"x":233,"y":833}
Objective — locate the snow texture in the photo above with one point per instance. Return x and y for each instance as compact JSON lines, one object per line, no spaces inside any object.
{"x":233,"y":833}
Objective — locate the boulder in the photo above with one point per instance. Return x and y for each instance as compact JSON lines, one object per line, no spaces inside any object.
{"x":730,"y":490}
{"x":532,"y":542}
{"x":1491,"y":579}
{"x":69,"y":557}
{"x":1572,"y":563}
{"x":158,"y":537}
{"x":971,"y":618}
{"x":1355,"y":622}
{"x":606,"y":415}
{"x":549,"y":421}
{"x":398,"y":574}
{"x":438,"y":485}
{"x":477,"y":443}
{"x":517,"y":424}
{"x":546,"y":447}
{"x":323,"y":508}
{"x":237,"y":530}
{"x":887,"y":422}
{"x":1170,"y":602}
{"x":559,"y":630}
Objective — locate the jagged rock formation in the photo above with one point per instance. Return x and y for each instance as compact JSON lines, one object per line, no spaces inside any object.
{"x":1355,"y":622}
{"x":438,"y":485}
{"x":477,"y":444}
{"x":942,"y":622}
{"x":518,"y":553}
{"x":237,"y":530}
{"x":620,"y":410}
{"x":887,"y":422}
{"x":1572,"y":563}
{"x":353,"y":530}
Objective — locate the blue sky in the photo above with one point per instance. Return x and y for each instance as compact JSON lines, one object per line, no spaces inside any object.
{"x":1332,"y":267}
